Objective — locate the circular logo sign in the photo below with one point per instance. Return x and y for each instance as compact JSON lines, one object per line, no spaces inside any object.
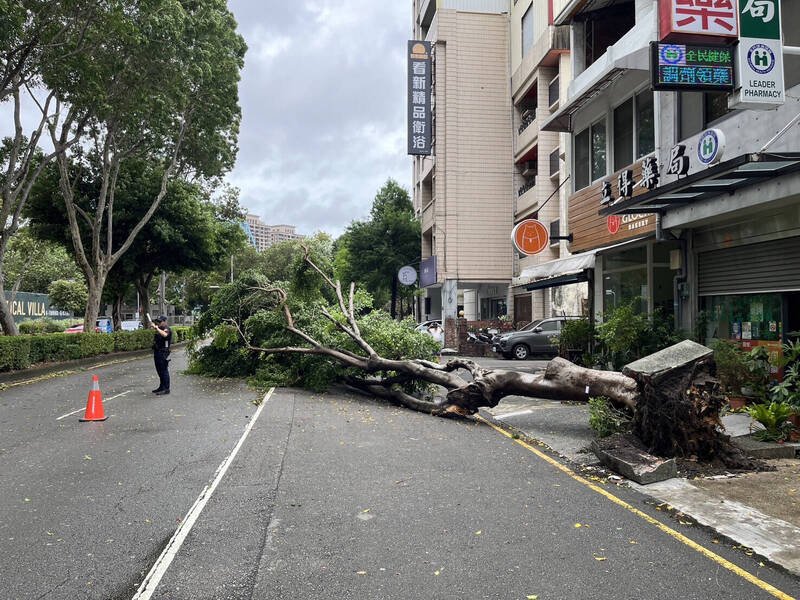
{"x":530,"y":237}
{"x":761,"y":58}
{"x":613,"y":222}
{"x":673,"y":54}
{"x":710,"y":146}
{"x":407,"y":275}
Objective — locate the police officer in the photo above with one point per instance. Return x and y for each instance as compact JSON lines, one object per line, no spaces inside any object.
{"x":161,"y":348}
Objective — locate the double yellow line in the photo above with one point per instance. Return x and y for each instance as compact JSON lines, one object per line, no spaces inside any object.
{"x":668,"y":530}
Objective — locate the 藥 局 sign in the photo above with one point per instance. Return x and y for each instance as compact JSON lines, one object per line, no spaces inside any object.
{"x":419,"y":98}
{"x":696,"y":20}
{"x":759,"y":59}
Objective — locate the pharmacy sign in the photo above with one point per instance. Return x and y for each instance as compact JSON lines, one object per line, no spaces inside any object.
{"x":759,"y":58}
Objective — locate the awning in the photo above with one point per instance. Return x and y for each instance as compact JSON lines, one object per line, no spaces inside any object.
{"x":577,"y":262}
{"x":557,"y":281}
{"x":610,"y":70}
{"x":724,"y":178}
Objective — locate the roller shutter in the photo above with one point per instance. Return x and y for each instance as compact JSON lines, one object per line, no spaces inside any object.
{"x":765,"y":267}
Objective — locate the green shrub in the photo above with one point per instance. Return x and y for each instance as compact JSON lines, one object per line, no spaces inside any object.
{"x":775,"y":419}
{"x":575,"y":338}
{"x":49,"y":347}
{"x":132,"y":340}
{"x":626,"y":334}
{"x":605,"y":419}
{"x":45,"y":325}
{"x":15,"y":352}
{"x":93,"y":344}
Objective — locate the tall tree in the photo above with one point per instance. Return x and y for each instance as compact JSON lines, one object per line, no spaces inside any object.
{"x":372,"y":252}
{"x":160,"y":84}
{"x":31,"y":264}
{"x":35,"y":36}
{"x":186,"y":232}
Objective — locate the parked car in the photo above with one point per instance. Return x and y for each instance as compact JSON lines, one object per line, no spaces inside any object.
{"x":539,"y":337}
{"x":131,"y":325}
{"x":425,"y":324}
{"x":104,"y":325}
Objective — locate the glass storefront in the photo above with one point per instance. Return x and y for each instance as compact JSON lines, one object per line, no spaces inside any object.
{"x":642,"y":272}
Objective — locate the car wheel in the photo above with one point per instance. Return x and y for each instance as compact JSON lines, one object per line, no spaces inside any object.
{"x":521,"y":352}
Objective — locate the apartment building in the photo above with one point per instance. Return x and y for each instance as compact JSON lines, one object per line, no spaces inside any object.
{"x":263,"y":236}
{"x":463,"y":190}
{"x":539,"y":76}
{"x":684,"y":201}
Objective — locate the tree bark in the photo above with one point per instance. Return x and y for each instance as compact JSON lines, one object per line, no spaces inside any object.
{"x":6,"y":318}
{"x":143,"y":288}
{"x":116,"y":311}
{"x":394,"y":297}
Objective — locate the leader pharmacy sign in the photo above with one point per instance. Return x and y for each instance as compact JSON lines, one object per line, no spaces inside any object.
{"x":759,"y":57}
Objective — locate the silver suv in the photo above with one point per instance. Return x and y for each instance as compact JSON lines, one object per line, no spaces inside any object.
{"x":537,"y":337}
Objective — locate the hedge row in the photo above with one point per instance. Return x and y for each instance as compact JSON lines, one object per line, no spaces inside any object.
{"x":20,"y":352}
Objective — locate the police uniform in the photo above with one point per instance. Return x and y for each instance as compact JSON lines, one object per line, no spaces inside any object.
{"x":161,"y":348}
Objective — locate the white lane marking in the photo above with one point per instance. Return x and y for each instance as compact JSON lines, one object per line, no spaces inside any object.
{"x":161,"y":565}
{"x":519,"y":413}
{"x":80,"y":409}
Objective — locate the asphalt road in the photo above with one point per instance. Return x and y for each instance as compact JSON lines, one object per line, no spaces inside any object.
{"x":329,"y":496}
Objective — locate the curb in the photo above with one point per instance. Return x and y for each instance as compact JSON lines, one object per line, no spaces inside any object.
{"x":750,"y":546}
{"x":68,"y":367}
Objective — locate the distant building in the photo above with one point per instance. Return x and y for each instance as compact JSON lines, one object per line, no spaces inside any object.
{"x":263,"y":236}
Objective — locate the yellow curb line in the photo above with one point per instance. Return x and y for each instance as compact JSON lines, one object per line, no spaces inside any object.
{"x":675,"y":534}
{"x":55,"y":374}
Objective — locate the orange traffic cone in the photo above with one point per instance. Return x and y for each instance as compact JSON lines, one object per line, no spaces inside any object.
{"x":94,"y":406}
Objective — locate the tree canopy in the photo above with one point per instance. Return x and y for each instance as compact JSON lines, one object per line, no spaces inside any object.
{"x":185,"y":232}
{"x":372,"y":252}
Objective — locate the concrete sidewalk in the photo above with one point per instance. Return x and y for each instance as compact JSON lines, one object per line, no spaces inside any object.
{"x":759,"y":511}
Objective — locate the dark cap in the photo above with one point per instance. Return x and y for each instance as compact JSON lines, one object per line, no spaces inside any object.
{"x":160,"y":318}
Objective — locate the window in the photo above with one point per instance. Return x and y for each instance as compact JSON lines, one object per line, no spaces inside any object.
{"x":527,"y":30}
{"x":605,"y":27}
{"x":634,"y":132}
{"x":698,"y":110}
{"x":645,"y":128}
{"x":623,"y":135}
{"x":549,"y":326}
{"x":590,"y":154}
{"x":581,"y":171}
{"x":598,"y":150}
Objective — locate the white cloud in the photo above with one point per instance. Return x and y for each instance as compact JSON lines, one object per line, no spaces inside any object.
{"x":323,"y":98}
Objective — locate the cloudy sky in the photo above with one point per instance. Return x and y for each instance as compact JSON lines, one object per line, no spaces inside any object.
{"x":324,"y":108}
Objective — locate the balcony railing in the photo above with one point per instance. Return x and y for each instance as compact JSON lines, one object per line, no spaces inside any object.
{"x":528,"y":185}
{"x":528,"y":117}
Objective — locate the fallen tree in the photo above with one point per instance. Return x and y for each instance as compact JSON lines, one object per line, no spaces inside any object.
{"x":668,"y":419}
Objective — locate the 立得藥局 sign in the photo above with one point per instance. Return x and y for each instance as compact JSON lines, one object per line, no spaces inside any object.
{"x":759,"y":59}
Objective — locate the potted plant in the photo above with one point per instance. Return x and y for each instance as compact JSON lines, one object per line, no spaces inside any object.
{"x":788,"y":390}
{"x":775,"y":419}
{"x":732,"y":371}
{"x":759,"y":381}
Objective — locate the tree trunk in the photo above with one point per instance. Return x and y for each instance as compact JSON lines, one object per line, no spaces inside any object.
{"x":6,"y":318}
{"x":143,"y":288}
{"x":116,"y":311}
{"x":394,"y":296}
{"x":96,"y":285}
